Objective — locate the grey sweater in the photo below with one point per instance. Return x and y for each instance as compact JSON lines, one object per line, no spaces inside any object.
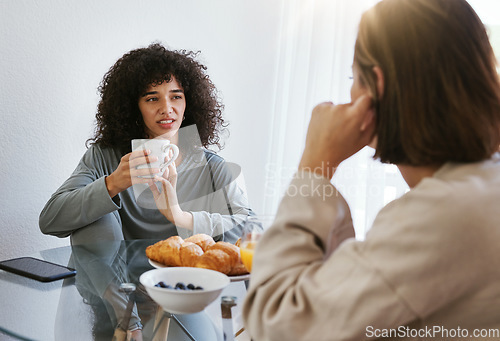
{"x":206,"y":187}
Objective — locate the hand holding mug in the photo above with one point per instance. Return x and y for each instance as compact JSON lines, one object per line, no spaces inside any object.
{"x":146,"y":160}
{"x":126,"y":174}
{"x":159,"y":148}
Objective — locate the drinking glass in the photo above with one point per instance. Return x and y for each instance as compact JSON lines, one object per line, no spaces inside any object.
{"x":253,"y":229}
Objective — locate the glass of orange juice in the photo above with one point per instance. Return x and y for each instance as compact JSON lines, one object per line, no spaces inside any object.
{"x":252,"y":231}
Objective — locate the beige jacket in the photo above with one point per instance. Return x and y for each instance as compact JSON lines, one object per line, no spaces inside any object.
{"x":429,"y":268}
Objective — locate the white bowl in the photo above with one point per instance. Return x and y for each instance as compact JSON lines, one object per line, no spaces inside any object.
{"x":184,"y":301}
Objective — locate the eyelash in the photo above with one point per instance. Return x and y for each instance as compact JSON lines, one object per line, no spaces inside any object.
{"x":156,"y":99}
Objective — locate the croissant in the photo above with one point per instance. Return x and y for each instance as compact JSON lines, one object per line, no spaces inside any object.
{"x":199,"y":251}
{"x":189,"y":254}
{"x":202,"y":240}
{"x":215,"y":260}
{"x":166,"y":251}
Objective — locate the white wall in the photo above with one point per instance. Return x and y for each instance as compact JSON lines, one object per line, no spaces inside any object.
{"x":53,"y":56}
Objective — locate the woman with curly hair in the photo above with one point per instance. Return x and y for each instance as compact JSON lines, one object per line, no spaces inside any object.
{"x":147,"y":93}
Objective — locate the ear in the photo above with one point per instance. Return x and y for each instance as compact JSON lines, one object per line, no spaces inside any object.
{"x":380,"y":81}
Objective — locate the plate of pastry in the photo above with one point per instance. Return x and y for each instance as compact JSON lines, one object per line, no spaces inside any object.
{"x":233,"y":278}
{"x":200,"y":251}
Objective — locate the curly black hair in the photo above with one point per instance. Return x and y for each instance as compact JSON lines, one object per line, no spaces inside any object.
{"x":118,"y":118}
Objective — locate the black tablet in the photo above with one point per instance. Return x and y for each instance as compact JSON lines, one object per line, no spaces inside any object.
{"x":38,"y":269}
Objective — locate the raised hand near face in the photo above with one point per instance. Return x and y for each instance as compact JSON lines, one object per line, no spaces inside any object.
{"x":335,"y":133}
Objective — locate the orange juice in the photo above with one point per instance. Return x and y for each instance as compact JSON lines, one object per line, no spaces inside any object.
{"x":246,"y":251}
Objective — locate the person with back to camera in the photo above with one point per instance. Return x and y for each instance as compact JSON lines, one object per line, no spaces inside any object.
{"x":426,"y":93}
{"x":148,"y":93}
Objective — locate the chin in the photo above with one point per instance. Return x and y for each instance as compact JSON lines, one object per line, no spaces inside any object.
{"x":168,"y":135}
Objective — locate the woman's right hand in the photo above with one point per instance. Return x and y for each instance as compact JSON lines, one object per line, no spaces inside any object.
{"x":127,"y":174}
{"x":335,"y":133}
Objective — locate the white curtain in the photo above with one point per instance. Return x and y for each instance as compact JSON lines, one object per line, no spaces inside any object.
{"x":316,"y":51}
{"x":317,"y":45}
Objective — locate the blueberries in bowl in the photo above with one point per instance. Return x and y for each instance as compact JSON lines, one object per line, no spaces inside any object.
{"x":163,"y":285}
{"x":178,"y":286}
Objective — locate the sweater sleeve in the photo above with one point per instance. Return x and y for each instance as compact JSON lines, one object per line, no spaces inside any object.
{"x":310,"y":280}
{"x":81,"y":200}
{"x":229,"y":206}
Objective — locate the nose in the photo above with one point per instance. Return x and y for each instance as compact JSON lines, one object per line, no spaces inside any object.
{"x":167,"y":107}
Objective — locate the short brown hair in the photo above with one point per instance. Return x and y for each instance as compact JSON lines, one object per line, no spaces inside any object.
{"x":441,"y":99}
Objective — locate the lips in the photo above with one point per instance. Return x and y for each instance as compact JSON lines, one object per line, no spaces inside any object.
{"x":166,"y":123}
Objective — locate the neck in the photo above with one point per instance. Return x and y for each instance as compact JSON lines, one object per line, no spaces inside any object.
{"x":414,"y":174}
{"x":175,"y":139}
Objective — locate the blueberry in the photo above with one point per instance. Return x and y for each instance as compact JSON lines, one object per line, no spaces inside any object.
{"x":198,"y":288}
{"x":163,"y":285}
{"x":180,"y":286}
{"x":190,"y":286}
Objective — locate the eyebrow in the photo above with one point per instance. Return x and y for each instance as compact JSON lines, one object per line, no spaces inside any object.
{"x":155,"y":92}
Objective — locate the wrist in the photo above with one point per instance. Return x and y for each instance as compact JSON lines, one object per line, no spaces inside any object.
{"x":110,"y":186}
{"x":318,"y":166}
{"x":183,"y":219}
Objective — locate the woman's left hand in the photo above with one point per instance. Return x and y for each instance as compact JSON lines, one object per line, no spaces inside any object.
{"x":166,"y":199}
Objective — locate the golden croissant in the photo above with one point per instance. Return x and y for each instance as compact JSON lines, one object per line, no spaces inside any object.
{"x":199,"y":251}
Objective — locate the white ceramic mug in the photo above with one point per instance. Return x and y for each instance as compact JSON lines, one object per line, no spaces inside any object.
{"x":159,"y":148}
